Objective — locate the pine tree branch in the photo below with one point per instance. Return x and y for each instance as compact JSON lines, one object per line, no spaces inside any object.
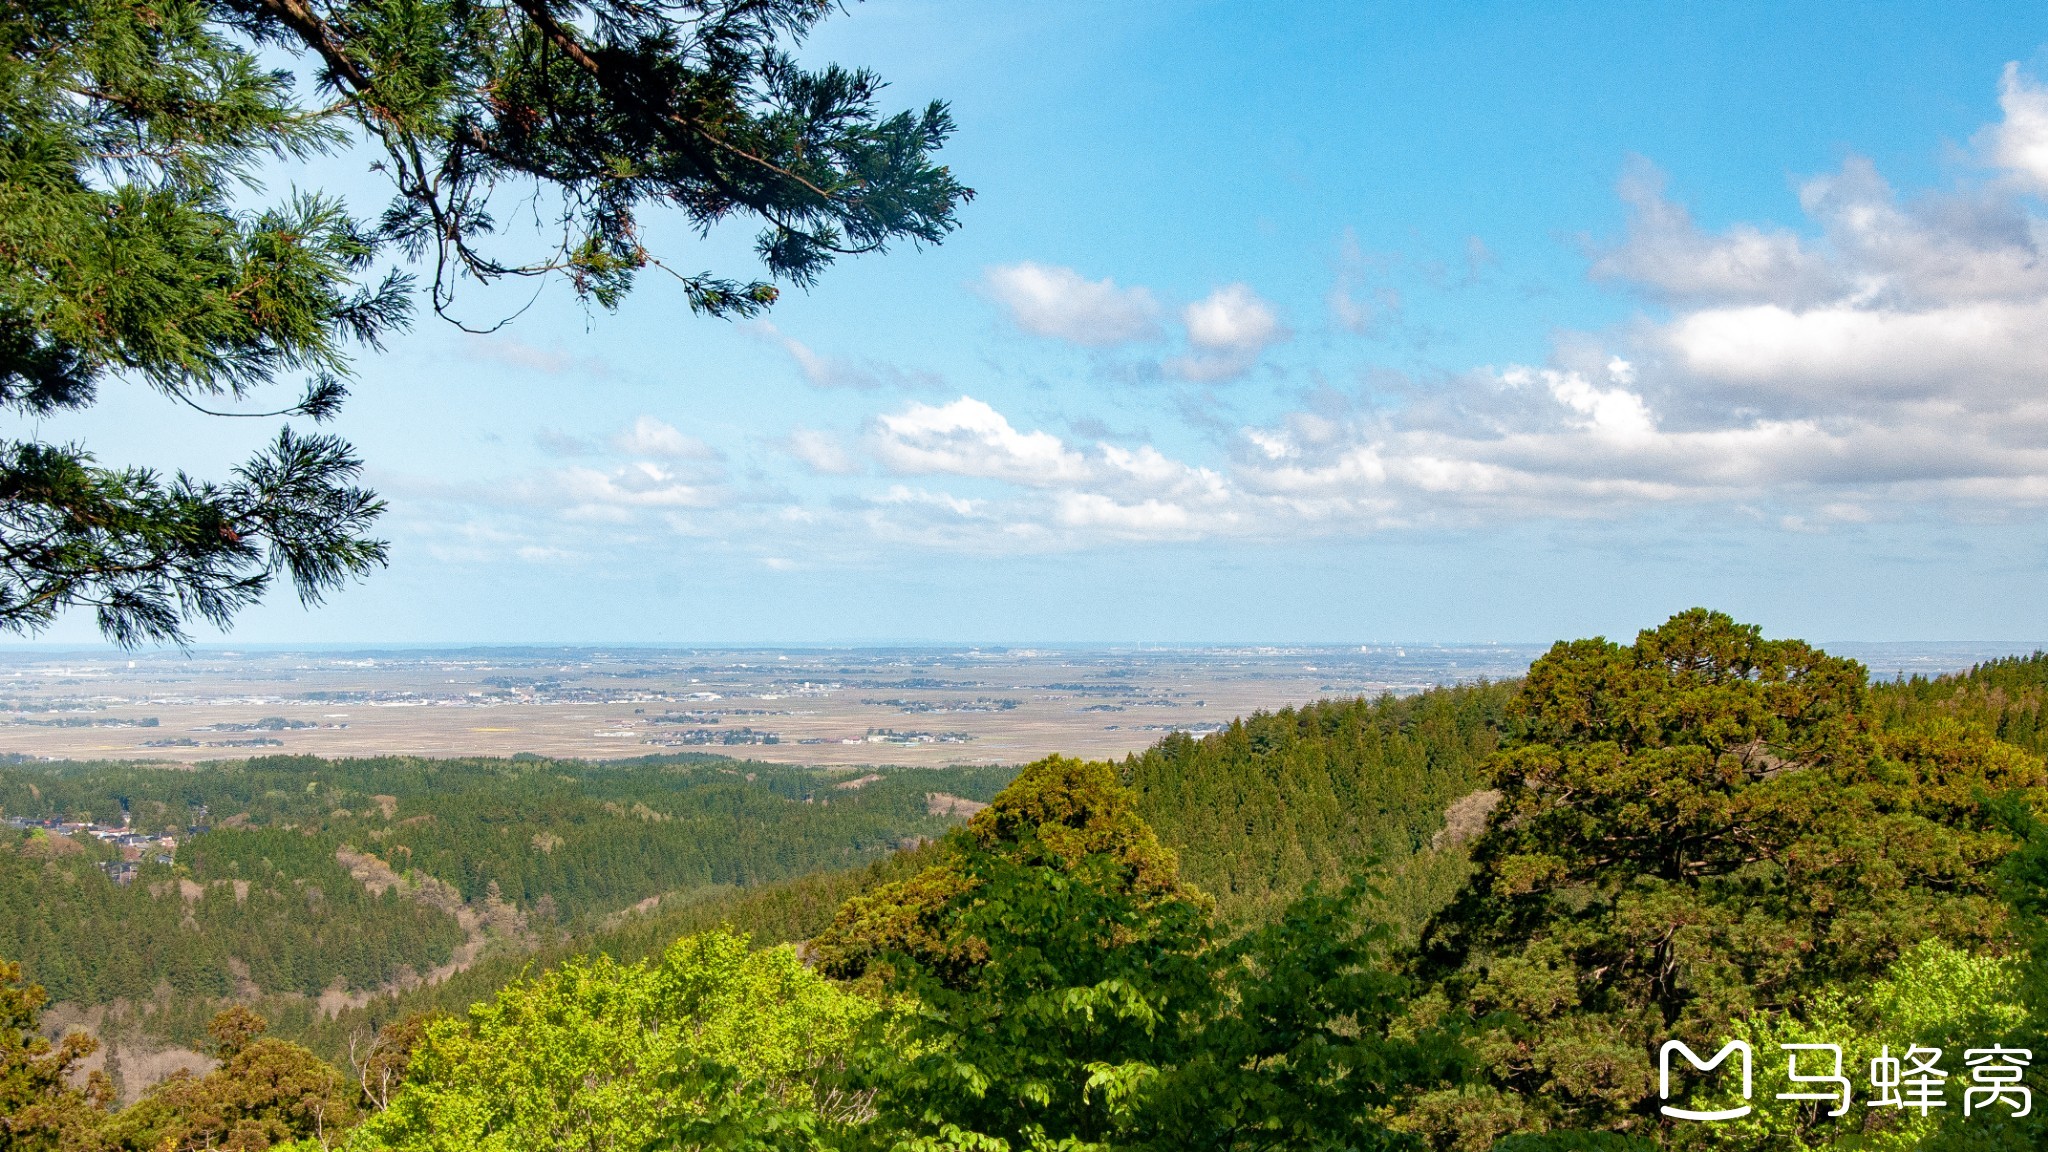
{"x":561,"y":37}
{"x":316,"y":34}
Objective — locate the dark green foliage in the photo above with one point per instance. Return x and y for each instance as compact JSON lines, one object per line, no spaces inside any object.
{"x":780,"y":913}
{"x":2005,"y":697}
{"x":2025,"y":877}
{"x":1573,"y":1142}
{"x":784,"y":912}
{"x":1077,"y":977}
{"x":1698,"y":829}
{"x":589,"y":837}
{"x":606,"y":107}
{"x":149,"y":555}
{"x":567,"y":845}
{"x":299,"y":923}
{"x":126,"y":130}
{"x":1069,"y":993}
{"x":264,"y":1092}
{"x":1299,"y":1052}
{"x":1280,"y":800}
{"x":41,"y":1109}
{"x":131,"y":133}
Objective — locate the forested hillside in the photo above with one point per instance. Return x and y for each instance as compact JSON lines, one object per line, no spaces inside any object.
{"x":1280,"y":799}
{"x":784,"y":912}
{"x":353,"y":878}
{"x":1255,"y":812}
{"x":248,"y":910}
{"x":2005,"y":697}
{"x":562,"y":838}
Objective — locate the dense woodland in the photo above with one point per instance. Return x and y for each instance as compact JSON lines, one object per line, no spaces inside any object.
{"x":545,"y":834}
{"x":514,"y":854}
{"x":269,"y":905}
{"x":2004,"y":697}
{"x":1270,"y":937}
{"x":1281,"y":799}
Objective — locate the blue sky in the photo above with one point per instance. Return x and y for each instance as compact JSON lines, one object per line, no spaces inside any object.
{"x":1301,"y":322}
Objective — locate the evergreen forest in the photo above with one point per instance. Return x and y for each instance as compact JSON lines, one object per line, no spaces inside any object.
{"x":1471,"y":919}
{"x":357,"y":877}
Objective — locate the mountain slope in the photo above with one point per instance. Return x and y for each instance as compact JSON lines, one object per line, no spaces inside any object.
{"x":1280,"y":799}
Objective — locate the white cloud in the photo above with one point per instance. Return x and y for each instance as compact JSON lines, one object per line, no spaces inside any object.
{"x":651,"y":437}
{"x":1577,"y":443}
{"x":2020,"y":144}
{"x":643,"y":484}
{"x":1231,"y":319}
{"x":1666,"y":253}
{"x":1227,"y":330}
{"x":1614,"y":414}
{"x":1889,"y":351}
{"x":1061,"y":304}
{"x":1146,"y":470}
{"x":1843,"y":356}
{"x":821,"y":452}
{"x":969,"y":438}
{"x":1062,"y":494}
{"x":1143,"y":518}
{"x":957,"y":505}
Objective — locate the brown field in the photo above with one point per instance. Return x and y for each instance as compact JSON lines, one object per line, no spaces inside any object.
{"x":822,"y":706}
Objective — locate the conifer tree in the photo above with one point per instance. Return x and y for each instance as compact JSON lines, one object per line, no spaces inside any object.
{"x":132,"y":137}
{"x":1701,"y":832}
{"x":40,"y":1108}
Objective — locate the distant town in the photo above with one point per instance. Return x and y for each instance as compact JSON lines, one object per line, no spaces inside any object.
{"x":134,"y":846}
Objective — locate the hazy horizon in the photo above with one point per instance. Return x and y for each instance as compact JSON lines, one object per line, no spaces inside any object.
{"x":827,"y":706}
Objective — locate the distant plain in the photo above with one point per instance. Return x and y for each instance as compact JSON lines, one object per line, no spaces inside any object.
{"x":817,"y":706}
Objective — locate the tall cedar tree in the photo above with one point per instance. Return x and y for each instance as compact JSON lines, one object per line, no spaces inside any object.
{"x":264,"y":1092}
{"x":1071,"y":992}
{"x":131,"y":136}
{"x":1697,"y":829}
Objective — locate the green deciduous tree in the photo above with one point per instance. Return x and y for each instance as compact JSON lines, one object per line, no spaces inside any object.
{"x":1935,"y":996}
{"x":132,"y":136}
{"x":712,"y":1046}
